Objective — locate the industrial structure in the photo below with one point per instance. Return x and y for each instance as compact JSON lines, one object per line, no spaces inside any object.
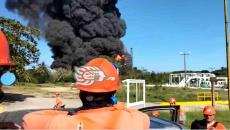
{"x":199,"y":80}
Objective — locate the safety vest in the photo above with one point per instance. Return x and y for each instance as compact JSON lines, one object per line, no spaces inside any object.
{"x":115,"y":117}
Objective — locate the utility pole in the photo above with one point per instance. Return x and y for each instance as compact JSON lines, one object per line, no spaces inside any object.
{"x":185,"y":54}
{"x":131,"y":64}
{"x":227,"y":48}
{"x":131,"y":51}
{"x":213,"y":81}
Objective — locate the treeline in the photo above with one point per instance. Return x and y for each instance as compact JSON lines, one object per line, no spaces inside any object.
{"x":222,"y":72}
{"x":149,"y":77}
{"x":42,"y":74}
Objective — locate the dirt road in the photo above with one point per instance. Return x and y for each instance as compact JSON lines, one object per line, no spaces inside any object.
{"x":38,"y":98}
{"x":39,"y":103}
{"x":17,"y":103}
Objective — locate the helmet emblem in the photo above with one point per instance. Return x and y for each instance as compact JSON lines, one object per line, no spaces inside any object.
{"x":87,"y":75}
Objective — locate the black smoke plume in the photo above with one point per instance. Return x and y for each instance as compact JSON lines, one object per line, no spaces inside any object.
{"x":76,"y":30}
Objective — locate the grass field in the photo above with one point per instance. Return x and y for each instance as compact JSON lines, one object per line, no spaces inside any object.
{"x":162,"y":94}
{"x":153,"y":94}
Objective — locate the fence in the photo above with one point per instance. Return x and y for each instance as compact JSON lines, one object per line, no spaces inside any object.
{"x":207,"y":96}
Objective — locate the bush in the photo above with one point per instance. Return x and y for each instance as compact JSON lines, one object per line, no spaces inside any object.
{"x":62,"y":75}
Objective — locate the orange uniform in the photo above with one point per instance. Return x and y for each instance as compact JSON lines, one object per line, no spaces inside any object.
{"x":38,"y":119}
{"x":216,"y":126}
{"x":115,"y":117}
{"x":58,"y":102}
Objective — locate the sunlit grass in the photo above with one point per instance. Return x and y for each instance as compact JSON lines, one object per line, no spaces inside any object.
{"x":162,"y":94}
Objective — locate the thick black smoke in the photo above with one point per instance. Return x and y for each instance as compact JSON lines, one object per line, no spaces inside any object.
{"x":76,"y":30}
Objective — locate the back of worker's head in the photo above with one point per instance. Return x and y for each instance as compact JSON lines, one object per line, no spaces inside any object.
{"x":97,"y":76}
{"x":209,"y":110}
{"x":97,"y":81}
{"x":172,"y":101}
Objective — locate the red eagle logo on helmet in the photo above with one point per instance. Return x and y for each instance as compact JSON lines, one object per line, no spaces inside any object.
{"x":87,"y":75}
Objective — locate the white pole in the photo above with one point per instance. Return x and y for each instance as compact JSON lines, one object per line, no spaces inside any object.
{"x":136,"y":92}
{"x":144,"y":92}
{"x":127,"y":93}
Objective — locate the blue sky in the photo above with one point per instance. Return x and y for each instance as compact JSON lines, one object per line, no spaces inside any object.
{"x":158,"y":30}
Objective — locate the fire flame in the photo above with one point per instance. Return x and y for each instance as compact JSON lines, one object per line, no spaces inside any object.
{"x":119,"y":58}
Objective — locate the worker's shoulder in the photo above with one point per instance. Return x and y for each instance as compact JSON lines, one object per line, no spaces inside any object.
{"x":44,"y":113}
{"x":139,"y":117}
{"x":219,"y":125}
{"x":199,"y":121}
{"x":121,"y":106}
{"x":38,"y":119}
{"x":138,"y":114}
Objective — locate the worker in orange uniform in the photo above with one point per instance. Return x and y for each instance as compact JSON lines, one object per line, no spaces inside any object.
{"x":97,"y":81}
{"x":182,"y":115}
{"x":58,"y":104}
{"x":208,"y":122}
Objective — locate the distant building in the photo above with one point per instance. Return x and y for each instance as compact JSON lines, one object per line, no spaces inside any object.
{"x":196,"y":80}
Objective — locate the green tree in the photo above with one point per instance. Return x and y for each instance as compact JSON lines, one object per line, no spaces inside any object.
{"x":23,"y":45}
{"x":62,"y":75}
{"x":41,"y":73}
{"x":222,"y":72}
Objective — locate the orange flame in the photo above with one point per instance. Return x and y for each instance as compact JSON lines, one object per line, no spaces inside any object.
{"x":118,"y":58}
